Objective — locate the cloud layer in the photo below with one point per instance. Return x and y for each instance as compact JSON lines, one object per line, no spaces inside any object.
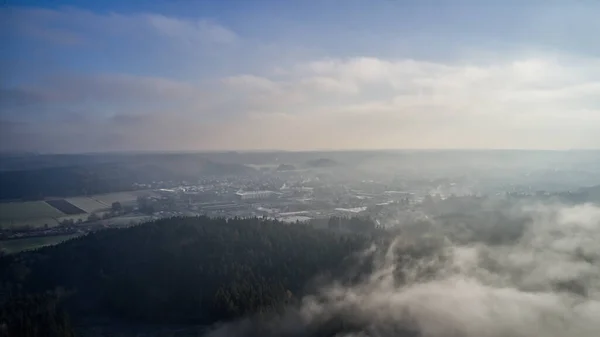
{"x":546,"y":282}
{"x":333,"y":103}
{"x":201,"y":85}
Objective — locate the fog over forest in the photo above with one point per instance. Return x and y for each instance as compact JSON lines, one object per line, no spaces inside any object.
{"x":389,"y":243}
{"x":543,"y":281}
{"x":299,"y":168}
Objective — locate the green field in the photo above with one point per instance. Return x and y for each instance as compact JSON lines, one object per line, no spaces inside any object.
{"x":19,"y":245}
{"x":40,"y":213}
{"x":28,"y":210}
{"x":29,"y":213}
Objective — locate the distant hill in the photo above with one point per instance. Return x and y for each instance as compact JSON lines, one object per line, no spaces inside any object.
{"x":585,"y":194}
{"x":322,"y":162}
{"x":593,"y":193}
{"x":286,"y":167}
{"x":37,"y":177}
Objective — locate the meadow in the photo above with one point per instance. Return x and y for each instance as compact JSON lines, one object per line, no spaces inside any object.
{"x":88,"y":204}
{"x":40,"y":213}
{"x":28,"y":210}
{"x":29,"y":213}
{"x":19,"y":245}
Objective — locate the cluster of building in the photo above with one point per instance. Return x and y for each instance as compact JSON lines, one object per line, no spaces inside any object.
{"x":289,"y":199}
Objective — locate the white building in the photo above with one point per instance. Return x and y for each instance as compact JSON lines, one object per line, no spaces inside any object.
{"x":255,"y":195}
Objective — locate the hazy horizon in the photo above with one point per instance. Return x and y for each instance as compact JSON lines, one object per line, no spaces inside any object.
{"x":249,"y":151}
{"x":83,"y":76}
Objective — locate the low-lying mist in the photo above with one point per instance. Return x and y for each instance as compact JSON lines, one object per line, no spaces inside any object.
{"x":541,"y":280}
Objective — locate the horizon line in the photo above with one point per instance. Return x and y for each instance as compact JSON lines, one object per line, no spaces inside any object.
{"x":3,"y":153}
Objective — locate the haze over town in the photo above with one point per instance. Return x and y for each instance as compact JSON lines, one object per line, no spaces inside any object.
{"x":302,"y":168}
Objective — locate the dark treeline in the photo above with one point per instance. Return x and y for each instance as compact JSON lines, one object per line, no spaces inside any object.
{"x":38,"y":315}
{"x":183,"y":270}
{"x":352,"y":224}
{"x":62,"y":176}
{"x":63,"y":181}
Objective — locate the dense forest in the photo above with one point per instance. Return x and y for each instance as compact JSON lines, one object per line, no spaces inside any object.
{"x":33,"y":316}
{"x":179,"y":270}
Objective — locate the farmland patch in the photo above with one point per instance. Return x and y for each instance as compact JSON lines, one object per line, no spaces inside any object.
{"x":88,"y":204}
{"x":19,"y":245}
{"x":65,"y":206}
{"x":15,"y":211}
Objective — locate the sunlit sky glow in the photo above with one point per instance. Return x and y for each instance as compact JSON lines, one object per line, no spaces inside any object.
{"x":298,"y":75}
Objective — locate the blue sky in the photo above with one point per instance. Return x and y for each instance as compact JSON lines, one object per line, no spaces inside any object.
{"x":298,"y":75}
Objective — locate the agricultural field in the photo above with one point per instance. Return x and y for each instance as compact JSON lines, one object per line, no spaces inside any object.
{"x":19,"y":245}
{"x":122,"y":197}
{"x":88,"y":204}
{"x":65,"y":206}
{"x":52,"y":212}
{"x":32,"y":213}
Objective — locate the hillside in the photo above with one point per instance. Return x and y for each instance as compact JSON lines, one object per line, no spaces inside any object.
{"x":182,"y":270}
{"x":64,"y":176}
{"x":321,"y":162}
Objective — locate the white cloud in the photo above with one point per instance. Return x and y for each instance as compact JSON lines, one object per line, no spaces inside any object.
{"x":543,"y":101}
{"x":364,"y":103}
{"x":543,"y":281}
{"x":409,"y":82}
